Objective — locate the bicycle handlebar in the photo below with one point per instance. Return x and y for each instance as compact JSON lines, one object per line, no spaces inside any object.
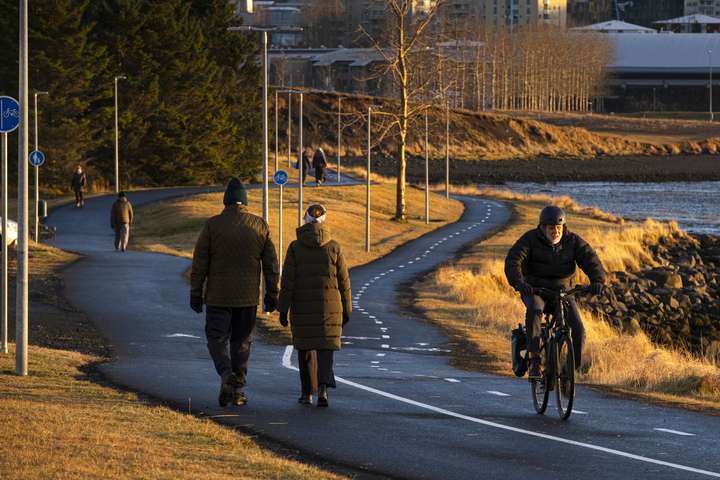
{"x":563,"y":294}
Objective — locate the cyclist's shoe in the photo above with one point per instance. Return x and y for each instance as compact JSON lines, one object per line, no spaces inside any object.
{"x":534,"y":371}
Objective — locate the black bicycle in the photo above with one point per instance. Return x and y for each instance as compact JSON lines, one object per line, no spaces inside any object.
{"x":557,"y":357}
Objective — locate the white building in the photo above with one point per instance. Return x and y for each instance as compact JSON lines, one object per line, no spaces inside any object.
{"x":514,"y":13}
{"x":705,"y":7}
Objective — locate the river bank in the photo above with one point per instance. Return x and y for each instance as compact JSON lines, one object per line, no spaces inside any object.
{"x":666,"y":168}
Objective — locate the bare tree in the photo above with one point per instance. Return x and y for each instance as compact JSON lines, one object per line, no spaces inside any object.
{"x":405,"y":55}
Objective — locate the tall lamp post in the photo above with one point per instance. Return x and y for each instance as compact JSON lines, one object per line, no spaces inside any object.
{"x":117,"y":136}
{"x":264,"y":31}
{"x":710,"y":86}
{"x":37,"y":172}
{"x":291,"y":92}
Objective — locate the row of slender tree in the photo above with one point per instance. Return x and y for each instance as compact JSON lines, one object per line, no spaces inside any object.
{"x":187,"y":113}
{"x":538,"y":68}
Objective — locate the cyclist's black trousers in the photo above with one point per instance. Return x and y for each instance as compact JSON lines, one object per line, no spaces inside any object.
{"x":535,"y":306}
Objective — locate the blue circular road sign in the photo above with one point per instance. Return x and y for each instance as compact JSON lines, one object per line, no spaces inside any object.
{"x":280,"y":177}
{"x":37,"y":158}
{"x":9,"y":114}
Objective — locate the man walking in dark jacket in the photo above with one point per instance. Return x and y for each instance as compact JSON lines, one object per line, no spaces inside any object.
{"x":233,"y":249}
{"x":78,"y":182}
{"x":319,"y":163}
{"x":546,"y":257}
{"x":121,"y":217}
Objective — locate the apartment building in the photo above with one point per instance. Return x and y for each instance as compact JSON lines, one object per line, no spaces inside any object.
{"x":514,"y":13}
{"x":704,"y":7}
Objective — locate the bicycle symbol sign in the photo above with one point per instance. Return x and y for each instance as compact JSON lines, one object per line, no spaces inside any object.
{"x":9,"y":114}
{"x":37,"y":158}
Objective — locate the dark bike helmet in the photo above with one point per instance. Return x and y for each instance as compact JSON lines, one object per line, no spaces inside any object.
{"x":552,"y":215}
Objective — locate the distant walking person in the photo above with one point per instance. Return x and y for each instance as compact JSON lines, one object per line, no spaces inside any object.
{"x":121,"y":217}
{"x":319,"y":164}
{"x":315,"y":292}
{"x":305,"y":165}
{"x":232,"y":250}
{"x":78,"y":183}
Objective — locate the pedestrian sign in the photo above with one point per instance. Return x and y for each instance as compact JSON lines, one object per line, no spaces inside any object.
{"x":9,"y":114}
{"x":280,"y":177}
{"x":37,"y":158}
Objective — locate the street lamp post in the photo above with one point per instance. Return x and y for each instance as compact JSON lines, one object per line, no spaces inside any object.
{"x":22,"y":289}
{"x":447,"y":148}
{"x":339,"y":137}
{"x":117,"y":136}
{"x":290,"y":92}
{"x":37,"y":172}
{"x":427,"y":170}
{"x":264,"y":31}
{"x":277,"y":131}
{"x":367,"y":184}
{"x":710,"y":87}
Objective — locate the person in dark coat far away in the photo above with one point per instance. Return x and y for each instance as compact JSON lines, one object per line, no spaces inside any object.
{"x":319,"y":163}
{"x":78,"y":183}
{"x":121,"y":218}
{"x":305,"y":165}
{"x":233,"y":249}
{"x":315,"y":291}
{"x":546,"y":257}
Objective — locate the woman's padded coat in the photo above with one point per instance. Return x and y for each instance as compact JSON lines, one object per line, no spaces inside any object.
{"x":315,"y":289}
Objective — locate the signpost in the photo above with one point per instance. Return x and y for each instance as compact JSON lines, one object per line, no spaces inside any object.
{"x":9,"y":121}
{"x":37,"y":158}
{"x":280,"y":178}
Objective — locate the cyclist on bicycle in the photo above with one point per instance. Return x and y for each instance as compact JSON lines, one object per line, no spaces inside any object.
{"x":546,"y":257}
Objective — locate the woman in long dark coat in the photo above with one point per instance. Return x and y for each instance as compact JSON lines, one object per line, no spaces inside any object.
{"x":315,"y":290}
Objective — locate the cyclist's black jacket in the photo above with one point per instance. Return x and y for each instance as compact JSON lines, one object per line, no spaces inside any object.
{"x":535,"y":261}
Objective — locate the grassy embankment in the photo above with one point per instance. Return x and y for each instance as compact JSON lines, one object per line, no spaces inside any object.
{"x":472,"y":301}
{"x":60,"y":422}
{"x":172,"y":227}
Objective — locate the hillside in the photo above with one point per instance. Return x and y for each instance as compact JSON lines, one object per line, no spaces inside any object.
{"x":494,"y":136}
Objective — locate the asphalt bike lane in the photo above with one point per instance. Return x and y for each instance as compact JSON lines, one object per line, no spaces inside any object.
{"x":401,"y":409}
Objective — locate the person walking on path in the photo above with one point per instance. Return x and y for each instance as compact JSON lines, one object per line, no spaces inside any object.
{"x":78,"y":183}
{"x":305,"y":166}
{"x":121,"y":217}
{"x":233,"y":249}
{"x":319,"y":163}
{"x":315,"y":292}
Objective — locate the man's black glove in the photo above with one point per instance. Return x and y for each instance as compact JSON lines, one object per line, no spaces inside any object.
{"x":346,"y":318}
{"x":525,"y":289}
{"x":196,"y":303}
{"x":596,"y":288}
{"x":271,"y":302}
{"x":284,"y":319}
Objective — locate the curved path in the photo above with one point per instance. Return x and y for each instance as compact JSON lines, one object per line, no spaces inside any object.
{"x":401,"y":410}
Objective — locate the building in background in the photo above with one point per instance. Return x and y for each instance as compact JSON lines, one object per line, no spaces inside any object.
{"x":695,"y":23}
{"x":647,"y":12}
{"x":613,"y":26}
{"x":513,"y":13}
{"x":588,"y":12}
{"x":704,"y":7}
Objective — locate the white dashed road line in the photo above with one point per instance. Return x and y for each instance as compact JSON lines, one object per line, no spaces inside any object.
{"x":499,"y":394}
{"x":675,"y":432}
{"x":611,"y":451}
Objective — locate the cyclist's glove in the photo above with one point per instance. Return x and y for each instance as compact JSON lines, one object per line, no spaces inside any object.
{"x":525,"y":289}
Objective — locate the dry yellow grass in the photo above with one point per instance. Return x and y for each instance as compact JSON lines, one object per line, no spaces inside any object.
{"x":172,"y":227}
{"x":472,"y":300}
{"x":57,"y":423}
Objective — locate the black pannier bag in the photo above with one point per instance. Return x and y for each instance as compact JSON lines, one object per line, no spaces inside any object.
{"x":519,"y":351}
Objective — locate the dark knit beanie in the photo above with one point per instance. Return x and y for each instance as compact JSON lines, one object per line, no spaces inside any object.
{"x":235,"y":193}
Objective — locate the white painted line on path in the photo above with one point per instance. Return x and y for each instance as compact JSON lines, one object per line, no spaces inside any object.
{"x":499,"y":394}
{"x":181,"y":335}
{"x":452,"y":380}
{"x":579,"y":412}
{"x":676,"y":432}
{"x":500,"y":426}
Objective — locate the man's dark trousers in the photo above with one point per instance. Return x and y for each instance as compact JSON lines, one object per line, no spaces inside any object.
{"x":229,"y":336}
{"x":535,"y":306}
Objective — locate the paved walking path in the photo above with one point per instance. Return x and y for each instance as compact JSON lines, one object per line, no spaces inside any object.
{"x":400,"y":410}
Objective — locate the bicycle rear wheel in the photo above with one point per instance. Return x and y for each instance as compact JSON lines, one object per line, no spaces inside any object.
{"x":565,"y":386}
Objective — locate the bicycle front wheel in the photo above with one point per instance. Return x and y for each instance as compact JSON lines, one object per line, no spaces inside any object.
{"x":565,"y":385}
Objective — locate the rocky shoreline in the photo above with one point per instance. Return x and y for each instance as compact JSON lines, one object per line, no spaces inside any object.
{"x":675,"y":302}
